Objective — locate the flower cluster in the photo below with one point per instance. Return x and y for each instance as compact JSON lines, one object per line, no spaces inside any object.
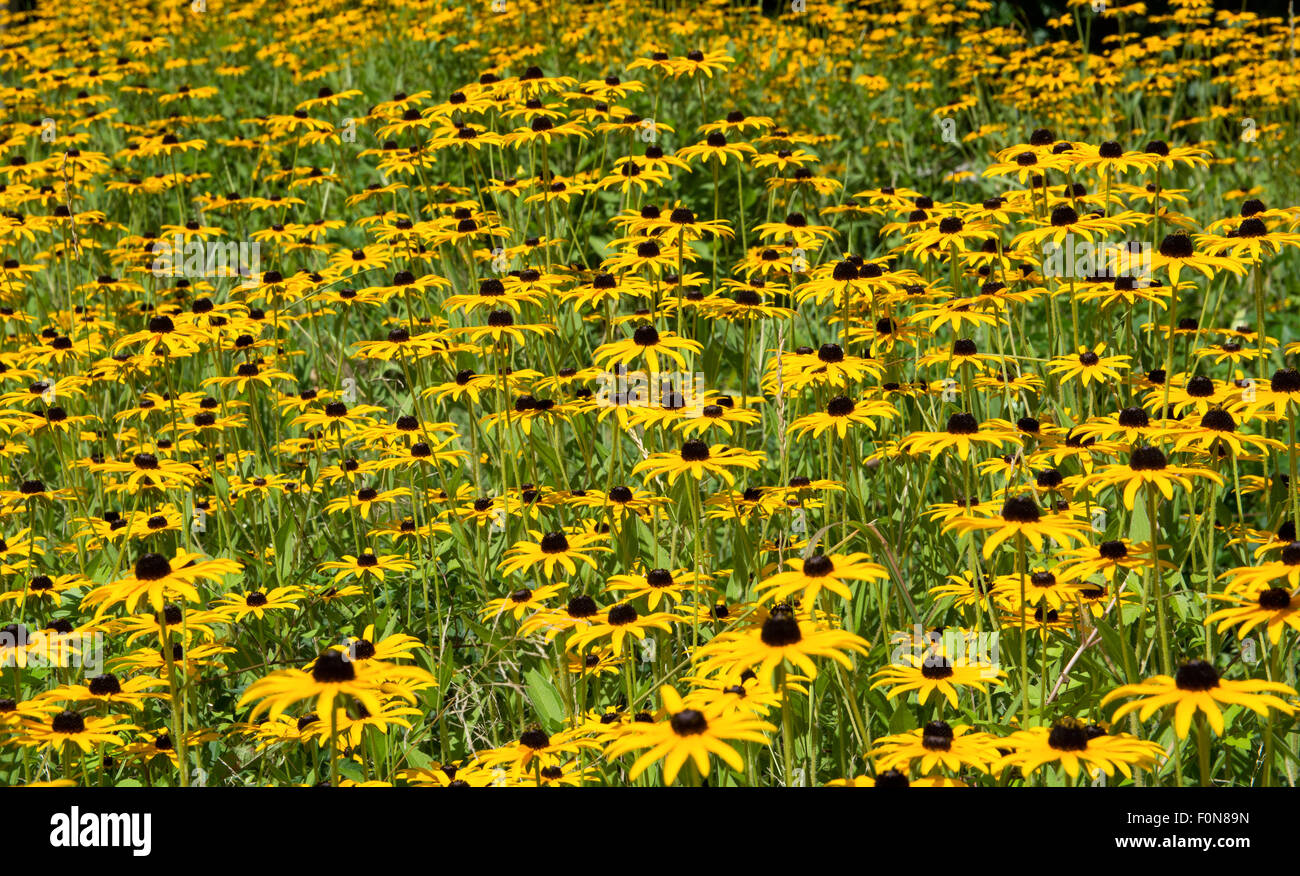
{"x":532,"y":394}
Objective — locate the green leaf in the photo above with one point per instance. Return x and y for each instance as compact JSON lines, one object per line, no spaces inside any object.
{"x":544,"y":697}
{"x":1240,"y":743}
{"x":1111,"y":640}
{"x":1139,"y":527}
{"x":902,"y":720}
{"x":548,"y":456}
{"x":286,"y":539}
{"x":350,"y":769}
{"x":417,"y":758}
{"x":487,"y":637}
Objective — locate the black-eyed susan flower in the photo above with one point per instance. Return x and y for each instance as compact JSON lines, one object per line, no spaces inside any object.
{"x":1276,"y":608}
{"x":782,"y":638}
{"x":1022,"y":517}
{"x":158,"y":578}
{"x":716,"y":147}
{"x":1177,"y":252}
{"x":690,"y":733}
{"x":520,"y":602}
{"x":1149,"y":467}
{"x":365,"y":500}
{"x":580,"y":612}
{"x":1108,"y":558}
{"x":935,"y":673}
{"x":1072,"y":744}
{"x":697,"y":459}
{"x":937,"y":744}
{"x":366,"y":565}
{"x":841,"y":414}
{"x":106,"y":687}
{"x":332,"y":676}
{"x":647,"y":344}
{"x":535,"y":750}
{"x":962,"y":433}
{"x":1249,"y":579}
{"x":620,"y":622}
{"x":807,"y":577}
{"x":896,"y":779}
{"x":658,"y":585}
{"x":1215,"y":429}
{"x":1089,"y":366}
{"x":554,"y":549}
{"x":1198,"y":687}
{"x":256,"y":603}
{"x":70,"y":728}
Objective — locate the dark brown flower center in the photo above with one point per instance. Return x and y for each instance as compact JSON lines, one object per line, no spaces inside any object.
{"x":963,"y":424}
{"x":1021,"y":509}
{"x":535,"y":738}
{"x":695,"y":451}
{"x":936,"y":668}
{"x":1196,"y":675}
{"x":1064,"y":215}
{"x":840,"y":406}
{"x":1252,"y":227}
{"x":818,"y":566}
{"x":1177,"y":246}
{"x":1112,"y":550}
{"x":105,"y":685}
{"x":581,"y":606}
{"x":1068,"y":734}
{"x":1286,"y":380}
{"x":1218,"y":420}
{"x":554,"y":543}
{"x":1147,"y":459}
{"x":333,"y":667}
{"x":659,"y":578}
{"x":830,"y":353}
{"x":937,"y":736}
{"x":622,"y":614}
{"x":1275,"y":599}
{"x":688,"y":722}
{"x":891,"y":779}
{"x":645,"y":336}
{"x":68,"y":722}
{"x":152,"y":567}
{"x":1134,"y":418}
{"x":1291,"y":554}
{"x":781,"y":628}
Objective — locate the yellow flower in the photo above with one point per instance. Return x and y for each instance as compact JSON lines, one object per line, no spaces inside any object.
{"x":1089,"y":366}
{"x":1072,"y":744}
{"x":809,"y":576}
{"x":159,"y":578}
{"x":698,"y":459}
{"x":782,"y":638}
{"x":552,"y":549}
{"x":1197,"y":687}
{"x":693,"y":733}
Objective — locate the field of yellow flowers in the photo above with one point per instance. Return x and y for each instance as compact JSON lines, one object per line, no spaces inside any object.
{"x":517,"y":392}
